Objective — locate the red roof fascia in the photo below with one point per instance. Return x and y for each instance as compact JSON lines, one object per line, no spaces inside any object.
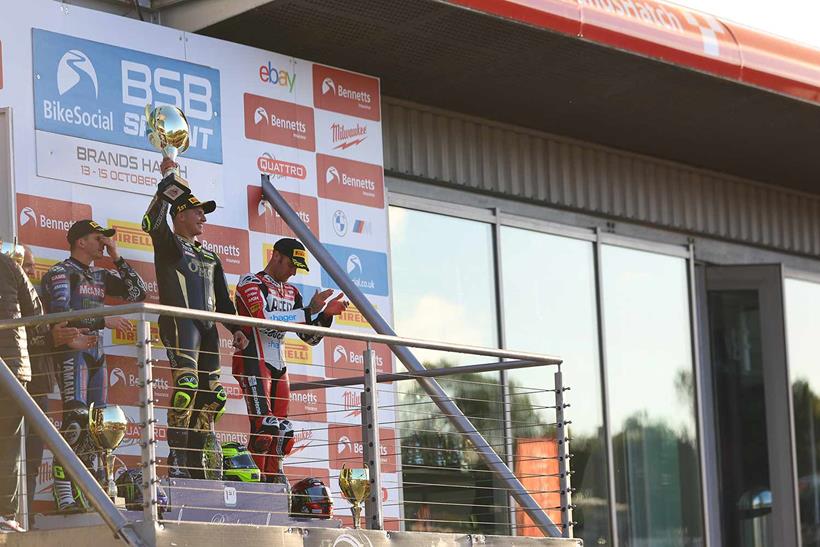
{"x":676,"y":35}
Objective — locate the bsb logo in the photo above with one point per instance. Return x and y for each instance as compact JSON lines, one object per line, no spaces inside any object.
{"x":45,"y":222}
{"x":367,"y":269}
{"x":279,"y":122}
{"x":98,"y":92}
{"x":262,"y":217}
{"x":351,"y":181}
{"x":346,"y":93}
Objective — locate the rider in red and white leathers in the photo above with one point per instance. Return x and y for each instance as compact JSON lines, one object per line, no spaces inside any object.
{"x":260,"y":368}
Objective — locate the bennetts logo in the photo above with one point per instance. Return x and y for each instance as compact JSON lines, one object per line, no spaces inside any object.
{"x":279,"y":122}
{"x":346,"y":92}
{"x":350,"y":181}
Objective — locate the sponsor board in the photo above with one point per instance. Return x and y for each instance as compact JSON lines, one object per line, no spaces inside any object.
{"x":98,"y":92}
{"x":145,"y":270}
{"x":367,"y":269}
{"x":352,"y":317}
{"x":124,"y":381}
{"x":279,"y":122}
{"x":45,"y":222}
{"x":231,"y":244}
{"x":310,"y":444}
{"x":345,"y":358}
{"x":345,"y":447}
{"x":297,"y":352}
{"x":278,"y":76}
{"x":346,"y":93}
{"x":280,"y":169}
{"x":123,"y":338}
{"x":351,"y":181}
{"x":308,"y":405}
{"x":262,"y":217}
{"x":130,"y":235}
{"x":233,"y":428}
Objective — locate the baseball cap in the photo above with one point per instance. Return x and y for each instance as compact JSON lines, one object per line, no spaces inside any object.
{"x":84,"y":227}
{"x":294,"y":250}
{"x":190,"y":202}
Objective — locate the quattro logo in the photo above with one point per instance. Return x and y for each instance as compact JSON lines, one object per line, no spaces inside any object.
{"x":279,"y":168}
{"x":98,"y":92}
{"x":279,"y":122}
{"x":45,"y":222}
{"x":262,"y":217}
{"x":346,"y":93}
{"x":367,"y":269}
{"x":350,"y":181}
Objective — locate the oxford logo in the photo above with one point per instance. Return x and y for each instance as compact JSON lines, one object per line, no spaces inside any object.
{"x":71,"y":65}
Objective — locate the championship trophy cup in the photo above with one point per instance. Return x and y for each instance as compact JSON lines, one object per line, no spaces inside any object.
{"x":355,"y":485}
{"x":107,"y":424}
{"x":167,"y":130}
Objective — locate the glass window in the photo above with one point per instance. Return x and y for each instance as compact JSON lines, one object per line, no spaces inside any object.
{"x":549,"y":307}
{"x":649,"y":368}
{"x":803,"y":343}
{"x":444,"y":289}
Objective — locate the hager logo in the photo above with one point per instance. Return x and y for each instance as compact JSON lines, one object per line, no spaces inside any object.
{"x":259,"y":115}
{"x":71,"y":64}
{"x":328,"y":86}
{"x":354,"y":264}
{"x":27,"y":214}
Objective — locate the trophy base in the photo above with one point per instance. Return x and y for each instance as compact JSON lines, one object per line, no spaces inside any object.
{"x":173,"y":187}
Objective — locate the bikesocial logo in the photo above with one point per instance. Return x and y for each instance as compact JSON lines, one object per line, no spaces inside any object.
{"x":367,"y":269}
{"x":354,"y":265}
{"x":73,"y":65}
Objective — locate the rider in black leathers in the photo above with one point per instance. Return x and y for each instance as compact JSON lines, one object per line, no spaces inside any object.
{"x":189,"y":276}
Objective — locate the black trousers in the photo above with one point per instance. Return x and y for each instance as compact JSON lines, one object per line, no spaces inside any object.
{"x":11,"y":419}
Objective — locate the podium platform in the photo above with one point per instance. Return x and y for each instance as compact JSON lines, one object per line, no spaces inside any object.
{"x":217,"y":502}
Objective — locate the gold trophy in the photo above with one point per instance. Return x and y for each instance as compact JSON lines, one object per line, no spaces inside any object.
{"x":167,"y":130}
{"x":355,"y":485}
{"x":107,"y":425}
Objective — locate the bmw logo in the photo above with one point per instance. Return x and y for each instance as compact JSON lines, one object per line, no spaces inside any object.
{"x":340,"y":223}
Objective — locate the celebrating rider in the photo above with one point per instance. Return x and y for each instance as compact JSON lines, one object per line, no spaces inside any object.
{"x":189,"y":276}
{"x":260,"y":368}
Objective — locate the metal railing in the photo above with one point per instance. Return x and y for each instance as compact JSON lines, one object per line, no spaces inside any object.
{"x":370,"y":380}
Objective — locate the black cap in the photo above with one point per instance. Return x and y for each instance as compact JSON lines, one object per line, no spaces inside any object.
{"x":84,"y":227}
{"x":189,"y":202}
{"x":294,"y":250}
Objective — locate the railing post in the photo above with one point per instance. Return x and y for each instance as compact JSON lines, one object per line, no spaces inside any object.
{"x":371,"y":442}
{"x":148,"y":439}
{"x":563,"y":457}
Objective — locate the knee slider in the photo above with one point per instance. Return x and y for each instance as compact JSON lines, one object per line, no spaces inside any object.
{"x":185,"y":387}
{"x":75,"y":427}
{"x":281,"y":435}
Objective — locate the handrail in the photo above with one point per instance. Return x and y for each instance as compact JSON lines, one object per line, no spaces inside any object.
{"x":173,"y":311}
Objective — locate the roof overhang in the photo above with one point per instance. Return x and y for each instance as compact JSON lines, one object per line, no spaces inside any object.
{"x":569,"y":70}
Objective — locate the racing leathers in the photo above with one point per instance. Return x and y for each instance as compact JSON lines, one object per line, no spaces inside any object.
{"x":71,"y":285}
{"x":189,"y":276}
{"x":261,"y":370}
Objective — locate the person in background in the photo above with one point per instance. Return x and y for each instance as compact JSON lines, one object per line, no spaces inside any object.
{"x":76,"y":284}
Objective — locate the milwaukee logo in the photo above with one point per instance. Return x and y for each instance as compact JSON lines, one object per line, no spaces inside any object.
{"x":352,"y":402}
{"x":344,"y":137}
{"x":301,"y":440}
{"x":130,"y":235}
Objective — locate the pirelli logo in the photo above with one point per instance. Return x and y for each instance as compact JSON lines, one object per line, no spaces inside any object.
{"x":130,"y":235}
{"x":298,"y":352}
{"x":352,"y":317}
{"x":121,"y":338}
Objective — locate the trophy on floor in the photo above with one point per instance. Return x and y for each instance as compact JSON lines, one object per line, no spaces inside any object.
{"x":107,"y":424}
{"x":355,"y":485}
{"x":168,"y":131}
